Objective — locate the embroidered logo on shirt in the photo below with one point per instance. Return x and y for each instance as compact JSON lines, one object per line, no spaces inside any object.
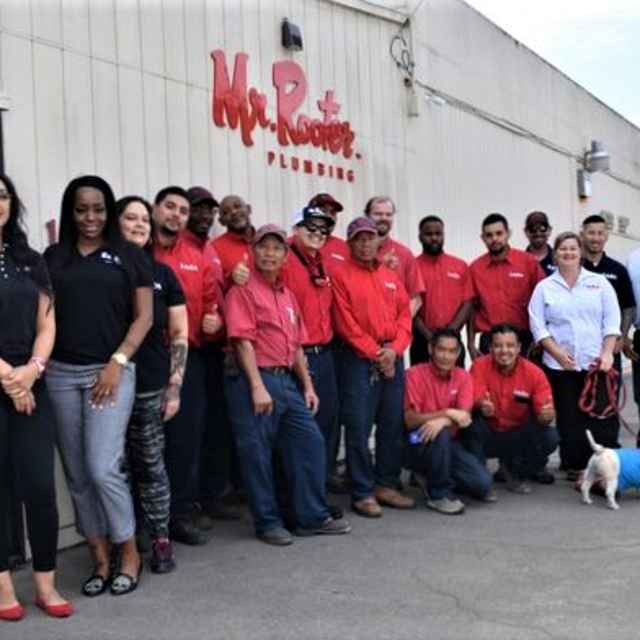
{"x":157,"y":286}
{"x":516,"y":274}
{"x":452,"y":274}
{"x":109,"y":258}
{"x":521,"y":394}
{"x":185,"y":266}
{"x":292,"y":314}
{"x":337,"y":256}
{"x":595,"y":287}
{"x":390,"y":285}
{"x":454,"y":392}
{"x":610,"y":276}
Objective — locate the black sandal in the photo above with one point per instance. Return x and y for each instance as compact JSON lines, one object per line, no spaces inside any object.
{"x":95,"y":585}
{"x":124,"y":583}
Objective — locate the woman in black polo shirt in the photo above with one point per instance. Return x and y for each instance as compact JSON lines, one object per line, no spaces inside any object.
{"x":159,"y":373}
{"x":103,"y":289}
{"x":27,"y":331}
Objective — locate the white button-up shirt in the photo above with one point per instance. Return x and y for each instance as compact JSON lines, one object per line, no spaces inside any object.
{"x":578,"y":318}
{"x":633,"y":267}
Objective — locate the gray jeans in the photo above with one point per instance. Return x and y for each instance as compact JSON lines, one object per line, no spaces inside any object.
{"x":91,"y":444}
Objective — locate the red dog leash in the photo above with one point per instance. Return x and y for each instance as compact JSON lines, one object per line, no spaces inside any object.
{"x":589,"y":395}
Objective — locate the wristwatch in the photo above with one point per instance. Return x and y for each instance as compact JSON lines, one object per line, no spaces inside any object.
{"x":120,"y":358}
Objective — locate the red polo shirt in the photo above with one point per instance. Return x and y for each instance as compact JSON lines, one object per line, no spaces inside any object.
{"x":269,"y":316}
{"x":503,"y":288}
{"x":231,"y":249}
{"x":407,"y":269}
{"x":447,"y":284}
{"x":197,"y":279}
{"x":427,"y":391}
{"x":514,"y":395}
{"x":371,"y":307}
{"x":335,"y":253}
{"x":314,"y":300}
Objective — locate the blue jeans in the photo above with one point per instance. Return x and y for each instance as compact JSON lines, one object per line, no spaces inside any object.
{"x":290,"y":432}
{"x":366,"y":401}
{"x":450,"y":463}
{"x":524,"y":449}
{"x":323,"y":374}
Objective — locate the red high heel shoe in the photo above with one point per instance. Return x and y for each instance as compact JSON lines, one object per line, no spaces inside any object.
{"x":13,"y":614}
{"x":63,"y":610}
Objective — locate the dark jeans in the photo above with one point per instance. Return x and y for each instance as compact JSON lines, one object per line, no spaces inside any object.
{"x":365,"y":402}
{"x":573,"y":423}
{"x":219,"y":469}
{"x":290,"y":432}
{"x":450,"y":463}
{"x":26,"y":443}
{"x":323,"y":374}
{"x":525,"y":449}
{"x":145,"y":455}
{"x":183,"y":435}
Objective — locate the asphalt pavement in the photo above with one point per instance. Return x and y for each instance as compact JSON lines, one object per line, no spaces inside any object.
{"x":529,"y":567}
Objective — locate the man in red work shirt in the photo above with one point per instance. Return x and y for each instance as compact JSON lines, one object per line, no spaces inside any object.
{"x":438,"y":399}
{"x":184,"y":431}
{"x":516,"y":408}
{"x":372,"y":316}
{"x":381,"y":211}
{"x":335,"y":251}
{"x":448,"y":295}
{"x":269,"y":412}
{"x":503,"y":280}
{"x":234,"y":246}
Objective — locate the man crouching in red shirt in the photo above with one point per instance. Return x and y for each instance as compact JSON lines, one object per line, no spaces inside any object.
{"x":514,"y":399}
{"x":268,"y":413}
{"x":372,"y":316}
{"x":438,"y":399}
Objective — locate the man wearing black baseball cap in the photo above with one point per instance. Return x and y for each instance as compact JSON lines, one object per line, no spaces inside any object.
{"x":538,"y":231}
{"x":203,"y":211}
{"x":335,"y":251}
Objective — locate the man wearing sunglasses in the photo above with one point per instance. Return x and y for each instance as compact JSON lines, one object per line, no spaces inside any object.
{"x":538,"y":231}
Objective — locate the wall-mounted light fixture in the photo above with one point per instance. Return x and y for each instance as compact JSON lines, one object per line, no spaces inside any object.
{"x":597,"y":158}
{"x":291,"y":36}
{"x":584,"y":184}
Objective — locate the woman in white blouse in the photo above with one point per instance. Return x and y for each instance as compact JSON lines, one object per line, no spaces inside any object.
{"x":575,"y":317}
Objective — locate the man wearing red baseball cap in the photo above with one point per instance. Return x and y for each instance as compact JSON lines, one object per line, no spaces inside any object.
{"x":335,"y":251}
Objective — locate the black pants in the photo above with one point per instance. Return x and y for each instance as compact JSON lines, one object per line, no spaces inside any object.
{"x":573,"y":423}
{"x":26,"y":442}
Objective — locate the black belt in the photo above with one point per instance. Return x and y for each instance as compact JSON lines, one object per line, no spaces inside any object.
{"x":276,"y":371}
{"x":316,"y":348}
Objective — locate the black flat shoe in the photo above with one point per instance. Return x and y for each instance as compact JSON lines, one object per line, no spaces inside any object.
{"x":96,"y":585}
{"x":124,"y":583}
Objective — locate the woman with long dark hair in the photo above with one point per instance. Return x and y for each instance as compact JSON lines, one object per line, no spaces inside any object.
{"x":27,"y":332}
{"x":103,"y":288}
{"x":160,"y":364}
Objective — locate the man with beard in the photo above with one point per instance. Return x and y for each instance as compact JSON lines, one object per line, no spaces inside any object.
{"x":503,"y":280}
{"x":447,"y":298}
{"x":538,"y":231}
{"x":381,"y":210}
{"x":184,"y":431}
{"x":234,"y":246}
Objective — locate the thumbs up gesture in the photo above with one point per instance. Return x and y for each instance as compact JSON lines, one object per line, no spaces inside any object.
{"x":241,"y":272}
{"x":487,"y":407}
{"x":212,"y":322}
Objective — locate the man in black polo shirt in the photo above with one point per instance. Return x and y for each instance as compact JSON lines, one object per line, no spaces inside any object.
{"x":594,"y":236}
{"x":538,"y":230}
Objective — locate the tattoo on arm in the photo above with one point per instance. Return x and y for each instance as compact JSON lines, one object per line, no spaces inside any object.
{"x":178,"y":351}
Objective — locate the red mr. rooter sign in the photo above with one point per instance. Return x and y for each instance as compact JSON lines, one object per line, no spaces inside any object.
{"x":234,"y":104}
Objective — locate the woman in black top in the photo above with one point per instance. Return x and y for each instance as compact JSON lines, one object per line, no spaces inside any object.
{"x":103,"y":288}
{"x":160,"y":364}
{"x":27,"y":331}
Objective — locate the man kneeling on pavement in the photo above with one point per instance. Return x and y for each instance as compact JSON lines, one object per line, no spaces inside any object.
{"x":440,"y":448}
{"x":515,"y":405}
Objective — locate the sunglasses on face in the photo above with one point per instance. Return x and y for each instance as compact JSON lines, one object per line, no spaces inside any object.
{"x":538,"y":228}
{"x":312,"y":228}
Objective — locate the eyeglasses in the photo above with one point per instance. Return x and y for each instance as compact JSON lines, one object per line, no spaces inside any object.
{"x":312,"y":228}
{"x":537,"y":228}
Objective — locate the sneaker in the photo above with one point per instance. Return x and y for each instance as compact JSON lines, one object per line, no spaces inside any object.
{"x":490,"y":497}
{"x":276,"y":537}
{"x":388,"y":497}
{"x":447,"y":506}
{"x":187,"y":533}
{"x":367,"y":507}
{"x":162,"y":556}
{"x":520,"y":487}
{"x":328,"y":527}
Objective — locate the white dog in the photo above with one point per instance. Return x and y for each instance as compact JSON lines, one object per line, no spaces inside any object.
{"x":605,"y":465}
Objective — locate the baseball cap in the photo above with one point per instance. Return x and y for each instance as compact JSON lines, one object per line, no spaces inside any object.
{"x":310,"y":213}
{"x":270,"y":230}
{"x":358,"y":226}
{"x":325,"y":199}
{"x":197,"y":195}
{"x":536,"y":217}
